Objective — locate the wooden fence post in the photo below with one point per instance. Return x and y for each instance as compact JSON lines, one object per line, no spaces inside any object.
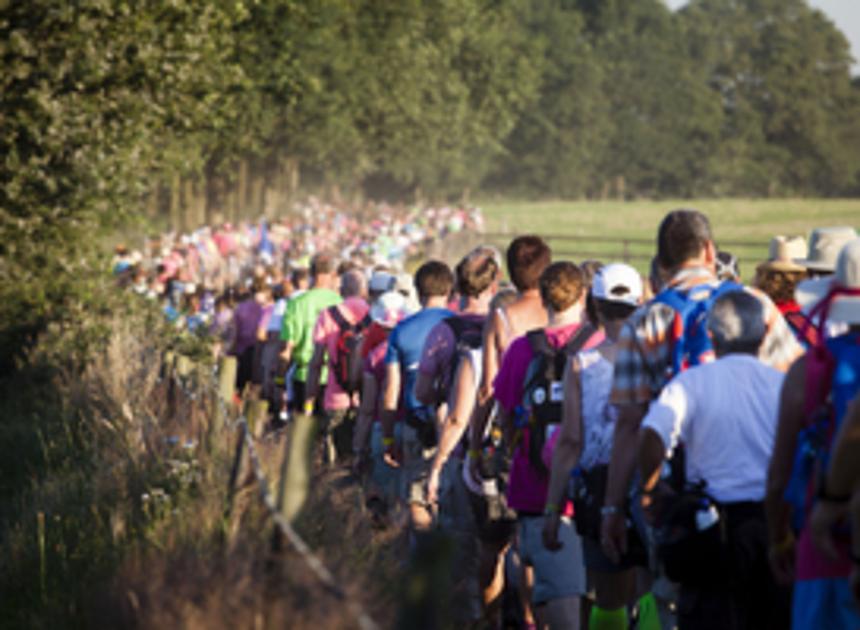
{"x":296,"y":468}
{"x":256,"y":411}
{"x":226,"y":386}
{"x":237,"y":473}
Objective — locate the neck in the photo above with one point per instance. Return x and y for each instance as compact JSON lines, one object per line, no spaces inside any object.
{"x":324,"y":281}
{"x":477,"y":306}
{"x":572,"y":315}
{"x":530,"y":293}
{"x":612,"y":329}
{"x":699,"y":262}
{"x":435,"y":301}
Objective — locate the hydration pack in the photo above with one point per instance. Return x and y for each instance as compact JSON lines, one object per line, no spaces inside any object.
{"x":804,"y":331}
{"x":347,"y":357}
{"x":468,"y":340}
{"x":688,"y":335}
{"x":543,"y":393}
{"x":832,"y":380}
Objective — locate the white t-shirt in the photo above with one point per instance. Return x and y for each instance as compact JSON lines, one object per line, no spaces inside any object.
{"x":725,"y":413}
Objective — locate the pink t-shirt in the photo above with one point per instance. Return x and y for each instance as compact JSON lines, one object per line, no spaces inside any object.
{"x":527,"y":487}
{"x":326,"y":331}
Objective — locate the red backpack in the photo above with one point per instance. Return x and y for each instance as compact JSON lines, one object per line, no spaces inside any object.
{"x":346,"y":362}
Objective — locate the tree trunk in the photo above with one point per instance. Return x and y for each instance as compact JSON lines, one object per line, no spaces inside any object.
{"x":175,"y":202}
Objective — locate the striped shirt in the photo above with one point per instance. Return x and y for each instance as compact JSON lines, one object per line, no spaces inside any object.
{"x":644,"y":361}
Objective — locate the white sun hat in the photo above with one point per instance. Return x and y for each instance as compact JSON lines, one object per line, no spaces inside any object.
{"x":825,"y":243}
{"x":845,"y":307}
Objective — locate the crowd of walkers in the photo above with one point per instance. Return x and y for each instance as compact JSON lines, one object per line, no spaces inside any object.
{"x":602,"y":449}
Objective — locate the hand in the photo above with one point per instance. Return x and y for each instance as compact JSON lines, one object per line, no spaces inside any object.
{"x":825,"y":515}
{"x":433,"y":486}
{"x":550,"y":532}
{"x":613,"y":536}
{"x":392,"y":456}
{"x":781,"y":558}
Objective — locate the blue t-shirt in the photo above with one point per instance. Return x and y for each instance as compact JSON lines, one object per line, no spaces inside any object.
{"x":405,"y":345}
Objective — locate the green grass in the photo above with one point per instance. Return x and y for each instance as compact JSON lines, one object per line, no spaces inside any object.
{"x":741,"y":226}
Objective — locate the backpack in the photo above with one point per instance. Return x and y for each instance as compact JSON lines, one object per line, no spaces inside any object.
{"x":347,"y":358}
{"x":543,"y":393}
{"x":690,"y":342}
{"x":832,"y":379}
{"x":469,"y":340}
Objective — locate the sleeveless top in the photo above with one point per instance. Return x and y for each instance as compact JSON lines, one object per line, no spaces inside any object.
{"x":598,"y":416}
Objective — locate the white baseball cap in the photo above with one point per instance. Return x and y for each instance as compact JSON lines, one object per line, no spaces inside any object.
{"x":617,"y":283}
{"x":381,"y":281}
{"x":389,"y":308}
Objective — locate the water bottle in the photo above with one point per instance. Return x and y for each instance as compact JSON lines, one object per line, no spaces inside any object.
{"x":706,"y":517}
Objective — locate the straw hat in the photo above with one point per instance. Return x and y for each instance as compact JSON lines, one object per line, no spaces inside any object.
{"x":824,"y":246}
{"x":845,"y":308}
{"x":784,"y":250}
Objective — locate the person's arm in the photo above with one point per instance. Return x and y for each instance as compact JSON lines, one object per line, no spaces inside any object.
{"x":491,"y":355}
{"x":621,"y":465}
{"x":778,"y":512}
{"x":840,"y":483}
{"x":364,"y":421}
{"x":455,"y":424}
{"x":390,"y":400}
{"x":844,"y":472}
{"x":288,"y":332}
{"x":566,"y":455}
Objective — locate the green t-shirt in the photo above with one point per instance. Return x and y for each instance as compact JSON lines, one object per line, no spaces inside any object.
{"x":298,"y":326}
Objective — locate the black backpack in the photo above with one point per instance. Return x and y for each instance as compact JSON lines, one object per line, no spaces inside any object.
{"x":347,"y":359}
{"x":543,"y":391}
{"x":468,"y":337}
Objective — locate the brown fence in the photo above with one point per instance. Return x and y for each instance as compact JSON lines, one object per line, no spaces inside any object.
{"x":635,"y":251}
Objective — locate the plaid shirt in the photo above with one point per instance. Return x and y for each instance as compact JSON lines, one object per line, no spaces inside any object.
{"x":644,"y":361}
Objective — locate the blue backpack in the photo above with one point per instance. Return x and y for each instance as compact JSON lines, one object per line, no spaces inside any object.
{"x":690,"y":342}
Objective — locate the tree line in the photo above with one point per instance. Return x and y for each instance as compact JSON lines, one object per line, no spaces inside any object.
{"x":114,"y":108}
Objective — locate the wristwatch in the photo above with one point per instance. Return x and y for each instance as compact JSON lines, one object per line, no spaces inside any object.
{"x":609,"y":510}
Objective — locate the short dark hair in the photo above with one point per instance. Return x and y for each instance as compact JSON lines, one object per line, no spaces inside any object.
{"x":299,"y":275}
{"x":612,"y":311}
{"x":527,"y":258}
{"x":682,"y":235}
{"x":477,"y":271}
{"x":433,"y":278}
{"x":322,"y":263}
{"x":561,"y":285}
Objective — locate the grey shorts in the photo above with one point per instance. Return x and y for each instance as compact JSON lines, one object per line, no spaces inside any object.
{"x":416,"y":467}
{"x":558,"y":574}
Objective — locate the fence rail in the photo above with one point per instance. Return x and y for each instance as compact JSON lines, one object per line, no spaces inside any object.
{"x":624,"y":249}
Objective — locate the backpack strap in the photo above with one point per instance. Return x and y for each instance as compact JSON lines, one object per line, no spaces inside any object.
{"x":343,"y":324}
{"x":338,"y":318}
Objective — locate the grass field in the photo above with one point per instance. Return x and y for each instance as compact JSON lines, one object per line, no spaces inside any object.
{"x":741,"y":226}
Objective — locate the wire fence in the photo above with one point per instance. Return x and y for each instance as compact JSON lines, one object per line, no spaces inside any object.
{"x":219,"y":386}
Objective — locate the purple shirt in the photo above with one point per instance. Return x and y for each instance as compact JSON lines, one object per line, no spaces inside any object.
{"x":247,"y":321}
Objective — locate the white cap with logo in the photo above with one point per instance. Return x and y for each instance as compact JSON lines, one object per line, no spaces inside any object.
{"x":617,"y":283}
